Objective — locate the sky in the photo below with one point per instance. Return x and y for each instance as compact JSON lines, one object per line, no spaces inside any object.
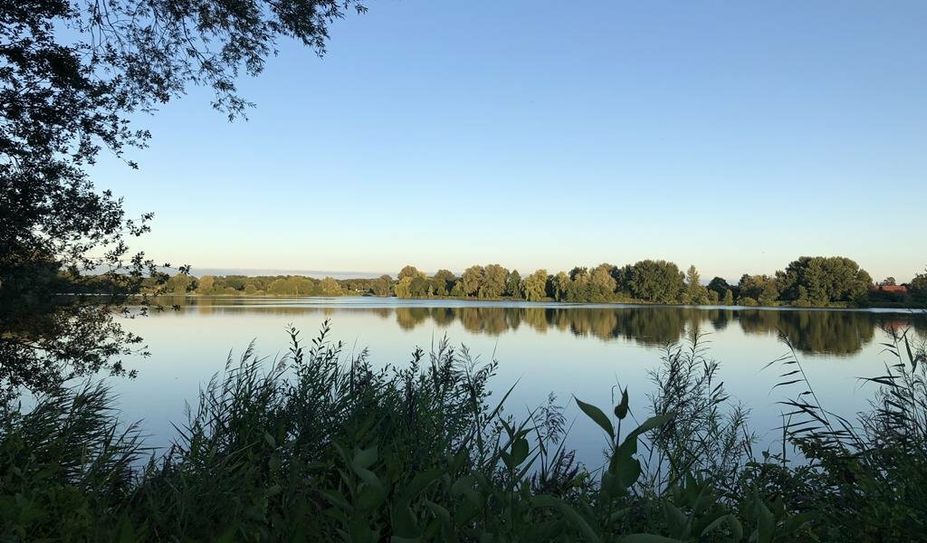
{"x":735,"y":136}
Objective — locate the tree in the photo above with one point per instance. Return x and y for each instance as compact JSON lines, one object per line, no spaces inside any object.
{"x":888,"y":282}
{"x":578,"y":289}
{"x":237,"y":282}
{"x":759,"y":289}
{"x":205,"y":284}
{"x":444,"y":282}
{"x":622,"y":277}
{"x":535,"y":286}
{"x":728,"y":297}
{"x":560,"y":286}
{"x":295,"y":285}
{"x":657,"y":281}
{"x":403,"y":287}
{"x":695,"y":292}
{"x":719,"y":286}
{"x":410,"y":272}
{"x":330,"y":287}
{"x":421,"y":287}
{"x":74,"y":75}
{"x":180,"y":284}
{"x":471,"y":280}
{"x":822,"y":280}
{"x":458,"y":291}
{"x":492,"y":284}
{"x":918,"y":288}
{"x":513,"y":285}
{"x":279,"y":287}
{"x":578,"y":273}
{"x":602,"y":284}
{"x":381,"y":285}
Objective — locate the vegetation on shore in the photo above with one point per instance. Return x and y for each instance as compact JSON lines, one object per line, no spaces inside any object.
{"x":806,"y":282}
{"x":317,"y":447}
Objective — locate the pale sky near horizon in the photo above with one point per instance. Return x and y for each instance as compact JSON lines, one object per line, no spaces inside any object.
{"x":731,"y":135}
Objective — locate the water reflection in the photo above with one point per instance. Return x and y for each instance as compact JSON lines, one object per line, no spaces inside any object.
{"x":838,"y":333}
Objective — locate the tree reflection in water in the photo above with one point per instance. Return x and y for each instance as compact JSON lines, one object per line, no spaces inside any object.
{"x":837,"y":333}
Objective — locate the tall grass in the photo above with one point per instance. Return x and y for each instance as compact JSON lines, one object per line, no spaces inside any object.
{"x":708,"y":434}
{"x":320,"y":446}
{"x":65,"y":466}
{"x":869,"y":474}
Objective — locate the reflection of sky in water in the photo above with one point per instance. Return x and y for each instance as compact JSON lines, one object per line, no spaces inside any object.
{"x":575,"y":350}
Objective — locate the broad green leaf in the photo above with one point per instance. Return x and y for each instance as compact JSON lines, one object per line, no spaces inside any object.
{"x":370,"y":497}
{"x":597,"y":416}
{"x":625,"y":468}
{"x":621,"y":410}
{"x":519,"y":451}
{"x":765,"y":523}
{"x":405,"y":525}
{"x":653,"y":422}
{"x":677,"y":521}
{"x":365,"y":458}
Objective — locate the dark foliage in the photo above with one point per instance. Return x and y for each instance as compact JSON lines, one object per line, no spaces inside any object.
{"x":317,"y":447}
{"x":71,"y":74}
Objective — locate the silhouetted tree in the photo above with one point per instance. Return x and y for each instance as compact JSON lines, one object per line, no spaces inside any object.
{"x":72,"y":75}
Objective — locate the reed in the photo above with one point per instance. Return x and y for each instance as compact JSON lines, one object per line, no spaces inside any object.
{"x":317,"y":445}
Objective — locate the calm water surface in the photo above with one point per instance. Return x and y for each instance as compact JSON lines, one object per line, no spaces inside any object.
{"x":566,"y":349}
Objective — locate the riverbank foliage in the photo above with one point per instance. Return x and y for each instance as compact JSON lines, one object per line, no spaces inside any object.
{"x":316,"y":446}
{"x":806,"y":282}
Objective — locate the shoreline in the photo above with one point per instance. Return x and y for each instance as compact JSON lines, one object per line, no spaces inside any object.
{"x":514,"y":303}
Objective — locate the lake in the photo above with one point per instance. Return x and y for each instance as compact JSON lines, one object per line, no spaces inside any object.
{"x":582,"y":350}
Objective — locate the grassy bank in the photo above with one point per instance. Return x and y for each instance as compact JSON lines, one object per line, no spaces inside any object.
{"x":315,"y":446}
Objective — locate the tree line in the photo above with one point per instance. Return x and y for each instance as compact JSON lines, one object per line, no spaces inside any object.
{"x":805,"y":282}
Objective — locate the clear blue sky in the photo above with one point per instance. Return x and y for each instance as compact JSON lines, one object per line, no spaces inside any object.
{"x":731,"y":135}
